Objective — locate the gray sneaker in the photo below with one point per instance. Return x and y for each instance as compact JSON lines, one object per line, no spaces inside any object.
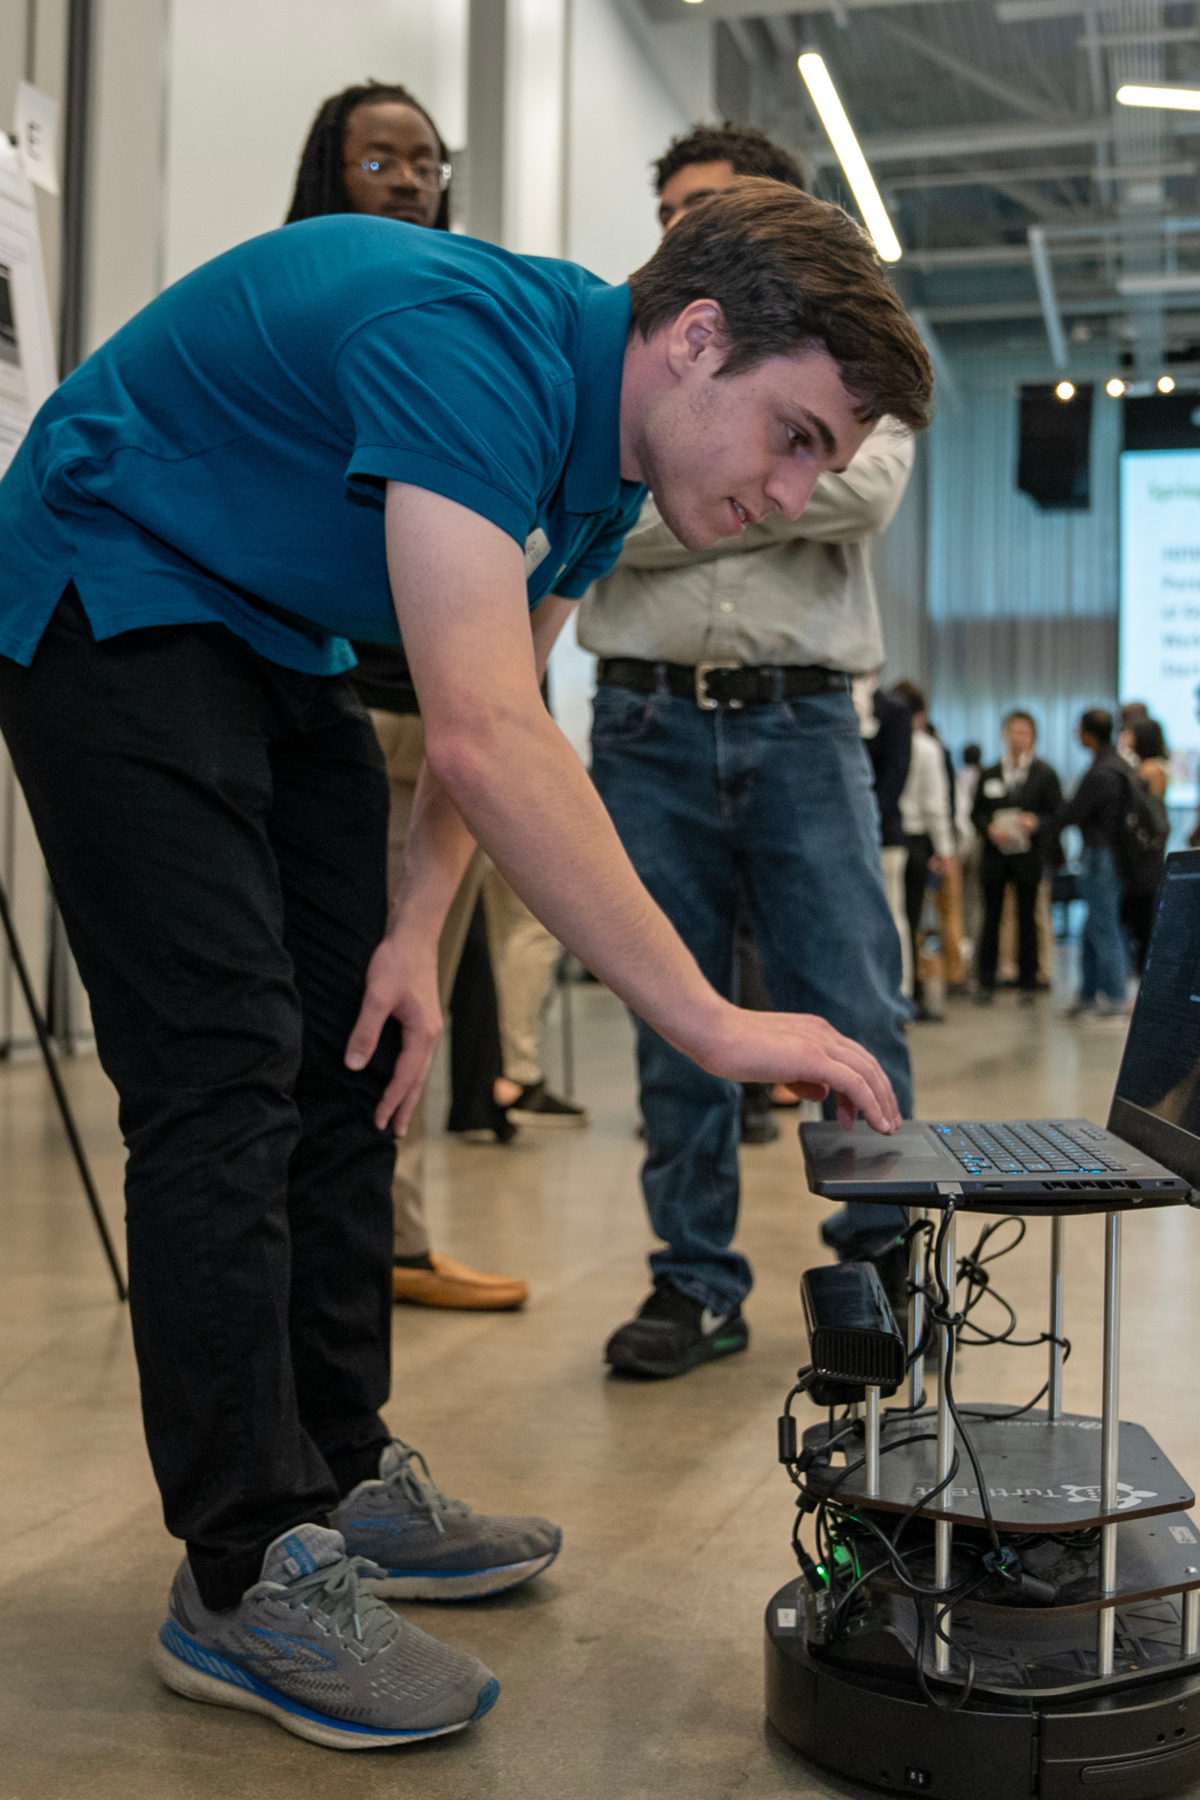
{"x":311,"y":1648}
{"x":430,"y":1547}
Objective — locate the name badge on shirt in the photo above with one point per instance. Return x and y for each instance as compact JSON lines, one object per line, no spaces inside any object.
{"x":537,"y":549}
{"x":993,"y":789}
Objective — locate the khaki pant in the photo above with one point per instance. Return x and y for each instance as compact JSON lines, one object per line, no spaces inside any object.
{"x":895,"y":859}
{"x":949,"y":906}
{"x":402,"y":740}
{"x":1006,"y":968}
{"x":523,"y":960}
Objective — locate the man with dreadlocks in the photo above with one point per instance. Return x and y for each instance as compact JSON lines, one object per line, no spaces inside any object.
{"x":374,"y":149}
{"x":357,"y":428}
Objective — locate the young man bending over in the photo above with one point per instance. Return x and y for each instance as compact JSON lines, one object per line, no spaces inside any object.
{"x":353,"y":427}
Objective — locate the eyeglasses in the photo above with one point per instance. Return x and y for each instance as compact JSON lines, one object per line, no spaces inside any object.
{"x":431,"y":175}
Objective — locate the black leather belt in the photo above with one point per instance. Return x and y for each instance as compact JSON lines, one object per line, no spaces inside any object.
{"x":722,"y":687}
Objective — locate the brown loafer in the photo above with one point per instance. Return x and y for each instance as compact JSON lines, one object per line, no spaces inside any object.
{"x":452,"y":1284}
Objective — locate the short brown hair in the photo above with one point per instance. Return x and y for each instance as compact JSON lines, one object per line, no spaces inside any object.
{"x":1019,"y":712}
{"x":1098,"y":724}
{"x":912,"y":696}
{"x":791,"y":273}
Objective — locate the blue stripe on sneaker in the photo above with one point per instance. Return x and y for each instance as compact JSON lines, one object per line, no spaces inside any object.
{"x":220,"y":1668}
{"x":488,"y":1696}
{"x":300,"y":1552}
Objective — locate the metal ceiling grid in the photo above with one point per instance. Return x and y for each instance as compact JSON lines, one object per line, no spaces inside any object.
{"x":993,"y":132}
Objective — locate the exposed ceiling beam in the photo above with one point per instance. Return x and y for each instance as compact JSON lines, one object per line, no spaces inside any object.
{"x":1068,"y":243}
{"x":946,"y":385}
{"x":990,"y":140}
{"x":1160,"y":284}
{"x":1027,"y":195}
{"x":970,"y":256}
{"x":1043,"y":274}
{"x":781,"y":34}
{"x":989,"y":311}
{"x":664,"y":12}
{"x":1019,"y":99}
{"x":1132,"y":40}
{"x":743,"y":37}
{"x":952,"y":178}
{"x":1024,"y":12}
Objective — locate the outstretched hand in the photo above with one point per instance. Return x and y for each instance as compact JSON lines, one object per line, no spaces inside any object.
{"x":401,"y":984}
{"x":804,"y":1053}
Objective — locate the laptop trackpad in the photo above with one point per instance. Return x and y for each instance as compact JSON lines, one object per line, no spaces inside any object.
{"x":863,"y":1155}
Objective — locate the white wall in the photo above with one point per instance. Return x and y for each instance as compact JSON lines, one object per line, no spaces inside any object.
{"x":534,"y":123}
{"x":127,"y":162}
{"x":245,"y":80}
{"x":621,"y":116}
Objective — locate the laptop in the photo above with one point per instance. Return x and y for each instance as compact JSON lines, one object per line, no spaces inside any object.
{"x":1149,"y":1152}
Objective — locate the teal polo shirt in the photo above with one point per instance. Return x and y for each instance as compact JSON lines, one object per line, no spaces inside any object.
{"x":223,"y":458}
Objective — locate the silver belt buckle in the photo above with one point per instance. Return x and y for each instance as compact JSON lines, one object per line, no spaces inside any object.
{"x":703,"y":671}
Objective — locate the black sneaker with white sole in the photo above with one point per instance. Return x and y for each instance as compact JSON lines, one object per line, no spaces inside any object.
{"x":672,"y":1334}
{"x":536,"y":1105}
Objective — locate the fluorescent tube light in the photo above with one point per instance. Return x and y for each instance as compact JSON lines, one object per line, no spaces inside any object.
{"x":1181,"y":98}
{"x":854,"y":164}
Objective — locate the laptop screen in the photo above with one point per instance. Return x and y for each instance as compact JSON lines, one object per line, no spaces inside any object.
{"x":1156,"y":1107}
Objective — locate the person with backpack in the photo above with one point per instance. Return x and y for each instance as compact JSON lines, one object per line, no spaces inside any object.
{"x":1147,"y":854}
{"x":1100,"y":807}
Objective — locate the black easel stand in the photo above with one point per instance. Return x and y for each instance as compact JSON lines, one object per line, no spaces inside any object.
{"x":60,"y":1093}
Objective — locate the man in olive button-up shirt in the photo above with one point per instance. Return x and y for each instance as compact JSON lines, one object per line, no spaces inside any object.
{"x":727,"y":750}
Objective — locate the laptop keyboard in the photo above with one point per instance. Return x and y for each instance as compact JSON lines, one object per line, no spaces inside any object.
{"x":1023,"y":1149}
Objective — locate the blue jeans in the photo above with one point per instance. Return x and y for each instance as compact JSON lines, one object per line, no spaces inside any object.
{"x":1104,"y":965}
{"x":772,"y":806}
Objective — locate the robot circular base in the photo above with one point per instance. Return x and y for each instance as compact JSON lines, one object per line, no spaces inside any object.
{"x":1135,"y":1737}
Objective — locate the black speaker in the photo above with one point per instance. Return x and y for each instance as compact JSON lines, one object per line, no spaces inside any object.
{"x":1055,"y":436}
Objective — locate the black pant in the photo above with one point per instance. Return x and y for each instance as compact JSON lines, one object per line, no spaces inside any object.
{"x":916,"y":874}
{"x":1137,"y":916}
{"x":989,"y":941}
{"x":215,"y":828}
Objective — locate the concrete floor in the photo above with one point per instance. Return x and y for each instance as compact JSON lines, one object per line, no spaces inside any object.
{"x":634,"y":1670}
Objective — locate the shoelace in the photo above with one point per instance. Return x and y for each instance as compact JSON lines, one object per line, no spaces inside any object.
{"x":423,"y":1492}
{"x":335,"y":1592}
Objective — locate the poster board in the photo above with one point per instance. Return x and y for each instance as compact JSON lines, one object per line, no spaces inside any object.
{"x":28,"y":375}
{"x":27,"y":371}
{"x":1160,"y":601}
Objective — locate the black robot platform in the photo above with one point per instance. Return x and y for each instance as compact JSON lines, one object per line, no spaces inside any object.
{"x":1135,"y":1734}
{"x":1080,"y":1672}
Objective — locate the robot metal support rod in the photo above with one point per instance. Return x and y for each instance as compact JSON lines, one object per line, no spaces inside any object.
{"x":1191,"y":1623}
{"x":944,"y":1530}
{"x":1057,"y":1235}
{"x":1110,"y":1439}
{"x":916,"y":1309}
{"x":871,"y":1440}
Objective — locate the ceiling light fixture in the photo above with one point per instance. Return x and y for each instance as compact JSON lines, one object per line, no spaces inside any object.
{"x":1180,"y":98}
{"x":1065,"y":390}
{"x":1166,"y":384}
{"x":1114,"y":388}
{"x":819,"y":83}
